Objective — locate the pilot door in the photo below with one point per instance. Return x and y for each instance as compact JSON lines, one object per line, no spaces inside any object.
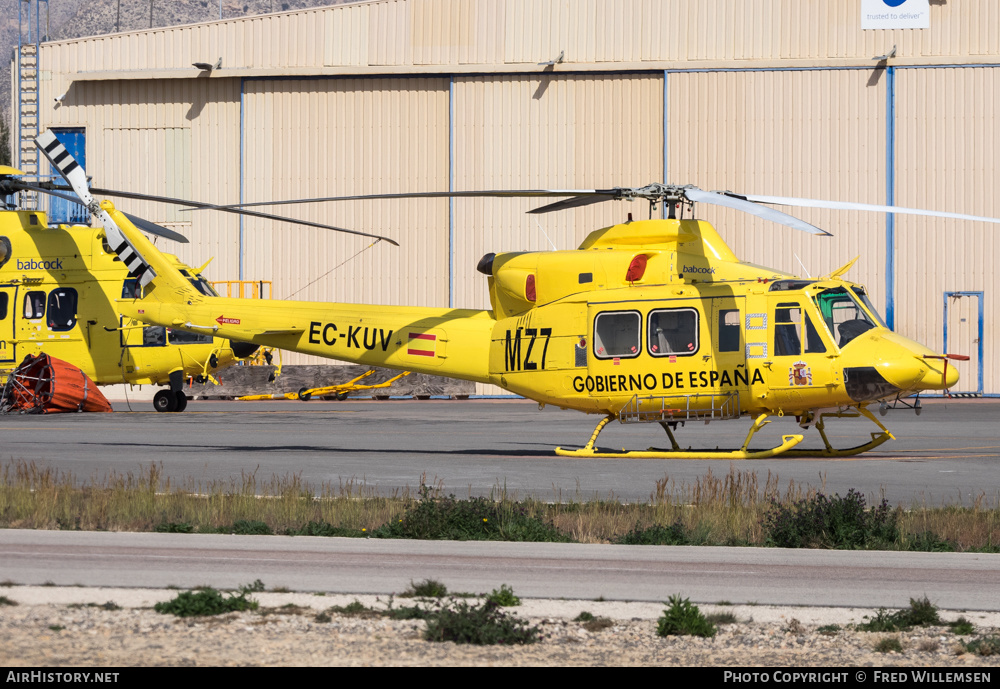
{"x":798,"y":367}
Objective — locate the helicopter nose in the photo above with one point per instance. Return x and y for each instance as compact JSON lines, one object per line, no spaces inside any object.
{"x":896,"y":364}
{"x":941,"y":374}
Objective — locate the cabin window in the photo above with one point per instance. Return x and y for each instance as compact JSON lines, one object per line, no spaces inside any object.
{"x":729,"y":330}
{"x":34,"y":305}
{"x":131,"y":289}
{"x":183,"y":337}
{"x":4,"y":301}
{"x":673,"y":332}
{"x":62,"y":309}
{"x":154,"y":336}
{"x":616,"y":334}
{"x":792,"y":326}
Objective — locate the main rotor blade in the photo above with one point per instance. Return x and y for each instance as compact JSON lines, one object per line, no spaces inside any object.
{"x":232,"y":209}
{"x":497,"y":193}
{"x":141,"y":223}
{"x":153,"y":228}
{"x":729,"y":201}
{"x":849,"y":206}
{"x":574,"y":202}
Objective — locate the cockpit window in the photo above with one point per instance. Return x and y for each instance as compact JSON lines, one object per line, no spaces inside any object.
{"x":203,"y":286}
{"x":860,"y":292}
{"x":844,"y":317}
{"x":183,"y":337}
{"x":794,"y":333}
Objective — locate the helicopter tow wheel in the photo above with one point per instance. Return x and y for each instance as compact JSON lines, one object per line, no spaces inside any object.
{"x":181,"y":401}
{"x":304,"y":395}
{"x":165,"y":400}
{"x":341,"y":396}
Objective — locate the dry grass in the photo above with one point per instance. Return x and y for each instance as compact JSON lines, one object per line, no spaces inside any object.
{"x":36,"y":498}
{"x":725,"y":509}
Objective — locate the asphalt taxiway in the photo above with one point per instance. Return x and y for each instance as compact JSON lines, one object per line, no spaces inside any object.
{"x":947,"y":455}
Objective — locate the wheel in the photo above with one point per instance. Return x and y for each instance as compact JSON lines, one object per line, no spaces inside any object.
{"x":165,"y":400}
{"x":304,"y":395}
{"x":182,"y":401}
{"x":341,"y":396}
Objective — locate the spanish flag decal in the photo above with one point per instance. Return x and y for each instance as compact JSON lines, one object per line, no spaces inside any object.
{"x":422,"y":344}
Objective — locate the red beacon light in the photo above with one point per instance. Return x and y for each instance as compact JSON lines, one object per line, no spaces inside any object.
{"x":636,"y":269}
{"x":529,"y":288}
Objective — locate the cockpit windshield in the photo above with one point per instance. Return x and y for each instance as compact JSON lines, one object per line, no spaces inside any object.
{"x":860,"y":292}
{"x":843,"y":315}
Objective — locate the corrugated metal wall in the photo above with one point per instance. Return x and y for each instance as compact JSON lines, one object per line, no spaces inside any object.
{"x":947,"y":151}
{"x":774,"y":97}
{"x":330,"y":137}
{"x":814,"y":134}
{"x":404,"y":33}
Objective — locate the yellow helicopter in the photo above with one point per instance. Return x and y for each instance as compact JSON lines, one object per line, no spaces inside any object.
{"x":59,"y":287}
{"x":647,"y":321}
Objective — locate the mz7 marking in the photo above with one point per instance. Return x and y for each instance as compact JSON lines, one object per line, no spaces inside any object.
{"x":512,"y":360}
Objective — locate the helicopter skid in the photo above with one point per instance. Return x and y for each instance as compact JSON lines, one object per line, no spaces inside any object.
{"x":877,"y":439}
{"x":788,"y":442}
{"x":676,"y":452}
{"x":785,"y":449}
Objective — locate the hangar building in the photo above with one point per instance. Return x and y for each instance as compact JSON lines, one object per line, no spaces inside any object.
{"x":776,"y":97}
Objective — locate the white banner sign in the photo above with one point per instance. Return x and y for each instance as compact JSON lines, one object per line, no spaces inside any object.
{"x":895,"y":14}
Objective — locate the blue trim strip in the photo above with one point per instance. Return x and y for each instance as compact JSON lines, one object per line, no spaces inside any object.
{"x":451,"y":187}
{"x":242,"y":113}
{"x":666,"y":139}
{"x":890,"y":198}
{"x":982,"y":300}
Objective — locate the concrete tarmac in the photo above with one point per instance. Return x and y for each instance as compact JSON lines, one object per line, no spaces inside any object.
{"x":948,"y":455}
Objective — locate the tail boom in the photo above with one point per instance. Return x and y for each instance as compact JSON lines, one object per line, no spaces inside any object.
{"x":446,"y":342}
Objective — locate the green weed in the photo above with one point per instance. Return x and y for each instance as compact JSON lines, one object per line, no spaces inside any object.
{"x":354,"y":609}
{"x":822,"y":522}
{"x":428,"y":588}
{"x":928,"y":542}
{"x":474,"y":519}
{"x":983,"y":646}
{"x":324,"y":529}
{"x":682,"y":618}
{"x":484,"y":624}
{"x":4,"y":600}
{"x":889,"y":645}
{"x":174,"y":527}
{"x":504,"y":597}
{"x":249,"y":527}
{"x":962,"y":627}
{"x":921,"y":613}
{"x":675,"y":534}
{"x":205,"y":602}
{"x":829,"y":629}
{"x":584,"y":617}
